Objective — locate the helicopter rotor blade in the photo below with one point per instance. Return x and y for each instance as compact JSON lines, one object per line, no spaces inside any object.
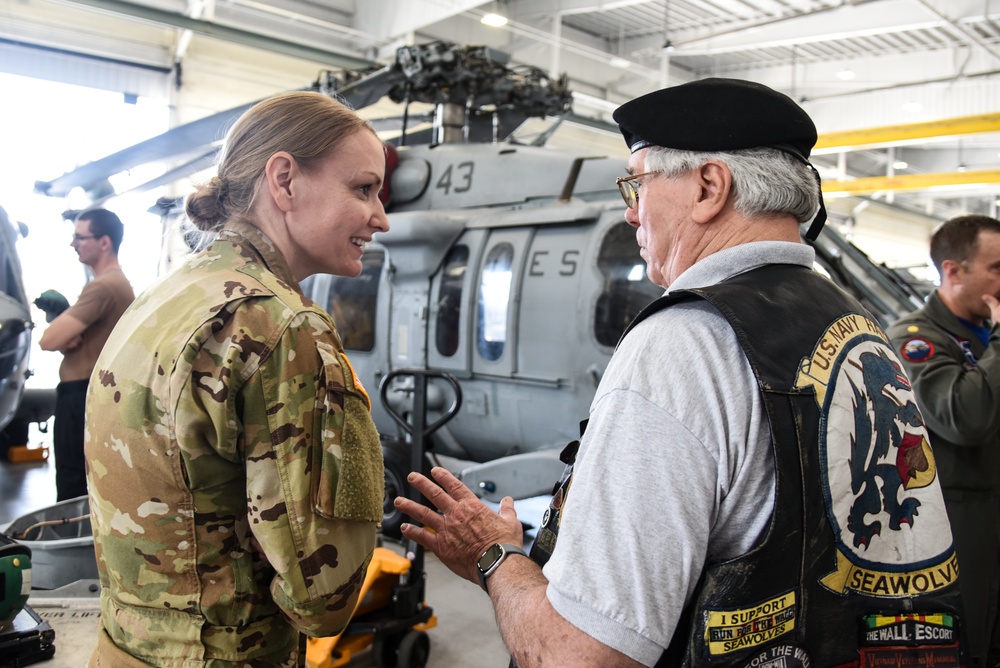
{"x":188,"y":137}
{"x":393,"y":124}
{"x":589,"y":122}
{"x":181,"y":139}
{"x":368,"y":89}
{"x":438,"y":73}
{"x":199,"y":163}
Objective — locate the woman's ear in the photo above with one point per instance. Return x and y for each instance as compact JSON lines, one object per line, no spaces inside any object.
{"x":279,"y":172}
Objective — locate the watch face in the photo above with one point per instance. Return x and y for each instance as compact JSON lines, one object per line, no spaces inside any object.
{"x":490,"y":557}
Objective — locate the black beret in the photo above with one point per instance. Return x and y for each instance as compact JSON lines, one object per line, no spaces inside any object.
{"x":717,"y":115}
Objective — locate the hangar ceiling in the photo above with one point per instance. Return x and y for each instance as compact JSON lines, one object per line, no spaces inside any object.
{"x":905,"y":93}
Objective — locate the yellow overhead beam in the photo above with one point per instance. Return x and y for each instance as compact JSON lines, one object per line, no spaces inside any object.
{"x":895,"y":134}
{"x":905,"y":182}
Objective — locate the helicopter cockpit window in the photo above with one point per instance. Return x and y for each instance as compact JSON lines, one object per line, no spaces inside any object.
{"x":450,"y":300}
{"x":627,"y":289}
{"x":494,"y":295}
{"x":353,"y":301}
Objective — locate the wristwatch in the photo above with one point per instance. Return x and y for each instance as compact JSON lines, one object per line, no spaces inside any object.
{"x":492,"y":558}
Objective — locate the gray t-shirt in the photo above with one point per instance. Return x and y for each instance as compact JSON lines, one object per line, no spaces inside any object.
{"x":675,"y":469}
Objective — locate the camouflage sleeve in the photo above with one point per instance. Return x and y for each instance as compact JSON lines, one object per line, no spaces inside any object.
{"x":314,"y":475}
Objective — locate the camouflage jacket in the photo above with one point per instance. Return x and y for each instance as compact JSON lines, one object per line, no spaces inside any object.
{"x":235,"y":473}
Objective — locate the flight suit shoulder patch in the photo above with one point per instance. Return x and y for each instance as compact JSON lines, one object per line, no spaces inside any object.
{"x":350,"y":375}
{"x":917,"y":350}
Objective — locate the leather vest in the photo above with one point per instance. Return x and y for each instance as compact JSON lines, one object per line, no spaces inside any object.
{"x":857,"y":566}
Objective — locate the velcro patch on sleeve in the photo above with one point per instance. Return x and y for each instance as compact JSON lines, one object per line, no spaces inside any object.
{"x":349,"y":483}
{"x":917,"y":350}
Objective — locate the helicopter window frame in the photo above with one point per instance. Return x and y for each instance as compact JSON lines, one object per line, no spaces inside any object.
{"x":450,"y":292}
{"x":496,"y":280}
{"x":626,"y":287}
{"x":352,"y":302}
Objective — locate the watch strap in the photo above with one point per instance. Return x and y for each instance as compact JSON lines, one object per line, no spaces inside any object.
{"x":506,"y":550}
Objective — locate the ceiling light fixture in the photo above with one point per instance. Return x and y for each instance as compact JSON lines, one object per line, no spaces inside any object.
{"x":495,"y":17}
{"x":846,"y":75}
{"x":494,"y":20}
{"x":912,"y":107}
{"x":621,"y":63}
{"x":900,"y":164}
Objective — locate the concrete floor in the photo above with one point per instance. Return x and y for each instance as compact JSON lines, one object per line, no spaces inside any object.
{"x":465,"y":635}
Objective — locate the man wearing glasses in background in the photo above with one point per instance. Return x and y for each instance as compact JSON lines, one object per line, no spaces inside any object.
{"x":79,"y":333}
{"x":754,"y":484}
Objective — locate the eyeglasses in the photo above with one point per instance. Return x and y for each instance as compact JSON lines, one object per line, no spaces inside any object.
{"x":83,"y":237}
{"x":629,"y":190}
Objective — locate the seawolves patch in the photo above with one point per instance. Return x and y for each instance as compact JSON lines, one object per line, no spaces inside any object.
{"x":877,"y":468}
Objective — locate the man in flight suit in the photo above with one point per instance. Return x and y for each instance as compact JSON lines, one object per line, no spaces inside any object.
{"x":950,"y":348}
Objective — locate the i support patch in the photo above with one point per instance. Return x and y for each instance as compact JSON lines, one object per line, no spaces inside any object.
{"x":731,"y":630}
{"x":894,"y":538}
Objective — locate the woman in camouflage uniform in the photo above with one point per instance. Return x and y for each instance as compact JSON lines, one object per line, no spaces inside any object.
{"x":235,"y":474}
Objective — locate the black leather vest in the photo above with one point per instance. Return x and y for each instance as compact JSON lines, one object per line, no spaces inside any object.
{"x":857,"y":566}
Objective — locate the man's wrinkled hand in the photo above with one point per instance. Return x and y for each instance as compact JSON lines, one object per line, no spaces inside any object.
{"x":463,"y":528}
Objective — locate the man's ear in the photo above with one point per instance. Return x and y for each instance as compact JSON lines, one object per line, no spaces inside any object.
{"x":715,"y":182}
{"x":278,"y":172}
{"x":952,"y":272}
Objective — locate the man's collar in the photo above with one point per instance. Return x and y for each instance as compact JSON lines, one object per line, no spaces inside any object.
{"x":728,"y":262}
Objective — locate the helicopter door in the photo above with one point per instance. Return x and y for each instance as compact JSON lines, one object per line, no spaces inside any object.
{"x":453,"y":293}
{"x":493,"y":334}
{"x":554,"y":326}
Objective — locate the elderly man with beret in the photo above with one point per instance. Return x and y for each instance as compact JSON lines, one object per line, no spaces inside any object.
{"x":754,"y":484}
